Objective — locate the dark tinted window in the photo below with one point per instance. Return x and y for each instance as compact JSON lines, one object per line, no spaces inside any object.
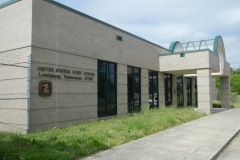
{"x":107,"y":89}
{"x":134,"y":90}
{"x":189,"y":91}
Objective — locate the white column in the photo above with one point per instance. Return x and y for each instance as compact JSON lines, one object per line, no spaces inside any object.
{"x":204,"y":91}
{"x":161,"y":90}
{"x":214,"y":91}
{"x":225,"y":92}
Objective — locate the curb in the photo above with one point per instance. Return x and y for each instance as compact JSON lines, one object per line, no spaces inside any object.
{"x":224,"y":146}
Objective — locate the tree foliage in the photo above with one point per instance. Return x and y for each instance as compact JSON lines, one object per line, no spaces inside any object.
{"x":234,"y":79}
{"x":218,"y":84}
{"x":236,"y":71}
{"x":235,"y":83}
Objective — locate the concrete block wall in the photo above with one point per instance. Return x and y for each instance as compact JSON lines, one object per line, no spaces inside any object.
{"x":227,"y":69}
{"x":14,"y":90}
{"x":72,"y":101}
{"x":15,"y":42}
{"x":65,"y":39}
{"x":214,"y":91}
{"x":122,"y":90}
{"x":59,"y":29}
{"x":16,"y":25}
{"x":191,"y":62}
{"x":214,"y":63}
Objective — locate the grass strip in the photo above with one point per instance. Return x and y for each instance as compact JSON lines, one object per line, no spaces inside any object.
{"x":82,"y":140}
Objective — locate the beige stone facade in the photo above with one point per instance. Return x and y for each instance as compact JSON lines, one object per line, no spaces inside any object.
{"x":64,"y":46}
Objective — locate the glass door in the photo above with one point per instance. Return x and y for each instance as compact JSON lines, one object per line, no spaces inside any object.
{"x":168,"y":89}
{"x":189,"y":91}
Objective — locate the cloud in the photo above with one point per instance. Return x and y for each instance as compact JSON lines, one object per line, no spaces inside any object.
{"x":163,"y":22}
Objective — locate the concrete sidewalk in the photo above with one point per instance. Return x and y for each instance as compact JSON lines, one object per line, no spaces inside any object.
{"x":201,"y":139}
{"x":232,"y":151}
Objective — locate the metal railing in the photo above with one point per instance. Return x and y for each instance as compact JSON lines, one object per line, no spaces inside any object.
{"x":198,"y":45}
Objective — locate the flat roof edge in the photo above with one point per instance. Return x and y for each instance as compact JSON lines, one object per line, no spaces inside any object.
{"x":8,"y":3}
{"x":101,"y":22}
{"x":194,"y":51}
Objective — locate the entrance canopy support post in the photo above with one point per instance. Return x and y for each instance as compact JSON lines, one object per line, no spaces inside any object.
{"x":225,"y":92}
{"x":204,"y":91}
{"x":161,"y":90}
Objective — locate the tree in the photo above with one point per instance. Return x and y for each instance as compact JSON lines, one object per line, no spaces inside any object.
{"x":235,"y":83}
{"x":236,"y":71}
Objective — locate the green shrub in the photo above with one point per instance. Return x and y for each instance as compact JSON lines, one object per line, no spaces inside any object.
{"x":216,"y":104}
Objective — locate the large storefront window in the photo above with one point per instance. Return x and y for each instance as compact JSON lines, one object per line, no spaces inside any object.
{"x":168,"y":89}
{"x":134,"y":90}
{"x":180,"y":96}
{"x":107,"y":89}
{"x":153,"y":89}
{"x":189,"y":91}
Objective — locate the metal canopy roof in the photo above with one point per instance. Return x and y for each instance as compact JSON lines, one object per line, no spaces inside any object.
{"x":211,"y":44}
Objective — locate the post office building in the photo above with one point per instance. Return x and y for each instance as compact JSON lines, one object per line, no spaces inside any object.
{"x":60,"y":67}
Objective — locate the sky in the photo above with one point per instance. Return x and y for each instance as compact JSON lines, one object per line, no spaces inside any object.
{"x":166,"y":21}
{"x":3,"y":1}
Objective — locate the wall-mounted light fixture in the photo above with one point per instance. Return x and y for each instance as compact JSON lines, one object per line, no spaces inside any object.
{"x":119,"y":38}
